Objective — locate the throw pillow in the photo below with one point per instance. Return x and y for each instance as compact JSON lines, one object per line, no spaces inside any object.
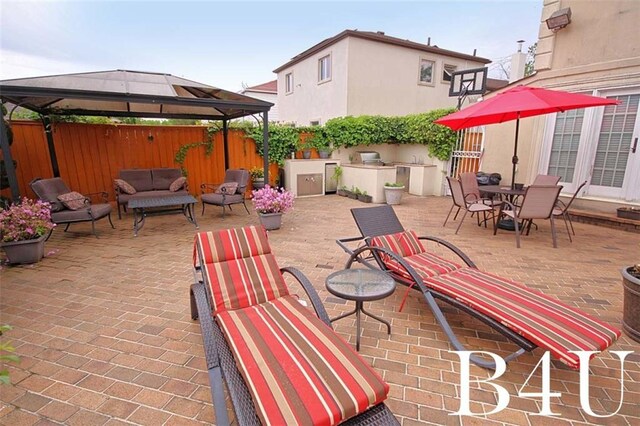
{"x":73,"y":200}
{"x":177,"y":184}
{"x":229,"y":188}
{"x":124,"y":186}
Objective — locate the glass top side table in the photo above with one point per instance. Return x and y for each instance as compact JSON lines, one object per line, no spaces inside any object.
{"x":360,"y":285}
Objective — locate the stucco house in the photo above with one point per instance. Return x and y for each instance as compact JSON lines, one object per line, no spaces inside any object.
{"x":596,"y":53}
{"x":360,"y":72}
{"x":266,"y":92}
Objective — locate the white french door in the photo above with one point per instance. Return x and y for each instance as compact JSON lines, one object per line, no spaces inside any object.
{"x":599,"y":145}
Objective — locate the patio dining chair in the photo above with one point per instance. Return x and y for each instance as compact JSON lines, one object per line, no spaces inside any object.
{"x":468,"y":204}
{"x":538,"y":203}
{"x":471,"y":190}
{"x":281,"y":362}
{"x":546,"y":180}
{"x":562,"y":209}
{"x":527,"y":317}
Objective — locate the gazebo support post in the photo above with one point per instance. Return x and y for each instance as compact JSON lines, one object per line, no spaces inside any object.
{"x":225,"y":143}
{"x":8,"y":162}
{"x":265,"y":144}
{"x":48,"y":131}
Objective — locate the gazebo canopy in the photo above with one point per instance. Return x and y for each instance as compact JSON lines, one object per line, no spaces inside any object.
{"x":123,"y":93}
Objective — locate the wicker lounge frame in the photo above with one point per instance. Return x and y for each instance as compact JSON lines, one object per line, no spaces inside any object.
{"x":222,"y":368}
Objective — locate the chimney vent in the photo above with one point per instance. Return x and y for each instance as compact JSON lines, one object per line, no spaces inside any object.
{"x":380,"y":32}
{"x":474,"y":52}
{"x":428,"y":41}
{"x":520,"y":45}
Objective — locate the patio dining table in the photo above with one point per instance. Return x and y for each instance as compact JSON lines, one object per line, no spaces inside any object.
{"x":504,"y":192}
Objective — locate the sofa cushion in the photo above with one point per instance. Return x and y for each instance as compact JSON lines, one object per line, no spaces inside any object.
{"x":163,"y":178}
{"x":73,"y":200}
{"x":298,"y":370}
{"x":124,"y":186}
{"x":177,"y":184}
{"x":140,"y":179}
{"x":96,"y":211}
{"x":220,"y":199}
{"x":49,"y":189}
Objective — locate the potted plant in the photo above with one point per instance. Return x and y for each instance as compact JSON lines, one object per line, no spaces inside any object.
{"x":257,"y":177}
{"x":393,"y":192}
{"x":320,"y":142}
{"x":353,"y":194}
{"x":23,"y":229}
{"x":631,"y":310}
{"x":337,"y":174}
{"x":342,"y":191}
{"x":271,"y":203}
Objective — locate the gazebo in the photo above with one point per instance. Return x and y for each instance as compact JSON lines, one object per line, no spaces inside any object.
{"x":123,"y":93}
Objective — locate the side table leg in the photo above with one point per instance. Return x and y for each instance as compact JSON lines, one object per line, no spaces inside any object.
{"x":358,"y":310}
{"x":378,"y":318}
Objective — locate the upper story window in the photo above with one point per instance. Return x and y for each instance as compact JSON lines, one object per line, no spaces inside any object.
{"x":447,"y":71}
{"x":427,"y":69}
{"x":288,"y":83}
{"x":324,"y":69}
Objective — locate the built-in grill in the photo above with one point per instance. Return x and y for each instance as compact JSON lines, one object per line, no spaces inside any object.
{"x":370,"y":158}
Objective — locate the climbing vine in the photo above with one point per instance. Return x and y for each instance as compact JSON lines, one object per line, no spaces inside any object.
{"x":181,"y":154}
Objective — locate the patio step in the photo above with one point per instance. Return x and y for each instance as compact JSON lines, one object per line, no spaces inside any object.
{"x":609,"y":220}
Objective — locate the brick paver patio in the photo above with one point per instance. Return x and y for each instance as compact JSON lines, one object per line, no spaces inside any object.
{"x":105,"y":336}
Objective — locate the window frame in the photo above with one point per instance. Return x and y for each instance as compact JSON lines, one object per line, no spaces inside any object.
{"x":444,"y":69}
{"x":433,"y":71}
{"x":330,"y":73}
{"x":288,"y":90}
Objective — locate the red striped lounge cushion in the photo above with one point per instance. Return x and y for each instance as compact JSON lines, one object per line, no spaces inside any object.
{"x":546,"y":322}
{"x":239,"y":268}
{"x":407,"y":245}
{"x":230,"y":244}
{"x":298,"y":370}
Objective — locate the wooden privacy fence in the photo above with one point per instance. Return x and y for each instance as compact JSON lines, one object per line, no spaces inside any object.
{"x":91,"y":155}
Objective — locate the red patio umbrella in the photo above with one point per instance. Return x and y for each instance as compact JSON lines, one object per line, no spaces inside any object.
{"x":516,"y":103}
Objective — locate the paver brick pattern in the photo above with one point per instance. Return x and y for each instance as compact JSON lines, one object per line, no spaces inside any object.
{"x":104,"y":332}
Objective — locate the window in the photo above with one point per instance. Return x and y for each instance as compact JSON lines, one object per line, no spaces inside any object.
{"x":426,"y":71}
{"x":565,"y":144}
{"x":447,"y":71}
{"x":324,"y":69}
{"x":288,"y":83}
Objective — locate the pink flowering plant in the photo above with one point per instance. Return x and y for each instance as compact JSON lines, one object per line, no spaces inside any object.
{"x":26,"y":220}
{"x":272,"y":200}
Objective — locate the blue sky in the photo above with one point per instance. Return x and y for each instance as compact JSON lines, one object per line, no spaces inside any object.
{"x":225,"y":44}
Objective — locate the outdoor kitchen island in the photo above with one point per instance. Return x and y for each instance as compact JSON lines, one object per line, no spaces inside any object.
{"x":371,"y":178}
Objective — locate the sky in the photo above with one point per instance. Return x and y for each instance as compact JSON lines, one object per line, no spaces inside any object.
{"x":231,"y":44}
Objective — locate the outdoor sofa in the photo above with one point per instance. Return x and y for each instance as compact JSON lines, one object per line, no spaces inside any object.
{"x":138,"y":183}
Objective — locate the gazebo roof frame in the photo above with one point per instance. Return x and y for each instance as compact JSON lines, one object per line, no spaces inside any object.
{"x":124,"y":93}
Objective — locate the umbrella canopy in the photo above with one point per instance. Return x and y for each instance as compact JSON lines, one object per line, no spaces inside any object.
{"x":519,"y":102}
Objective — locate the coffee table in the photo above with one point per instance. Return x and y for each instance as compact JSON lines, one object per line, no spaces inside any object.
{"x":360,"y":285}
{"x":176,"y":204}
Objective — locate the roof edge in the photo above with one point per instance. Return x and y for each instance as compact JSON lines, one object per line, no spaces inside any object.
{"x":381,"y":38}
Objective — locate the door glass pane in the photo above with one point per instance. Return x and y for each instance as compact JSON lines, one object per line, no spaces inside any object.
{"x":614,"y":141}
{"x":564,"y":148}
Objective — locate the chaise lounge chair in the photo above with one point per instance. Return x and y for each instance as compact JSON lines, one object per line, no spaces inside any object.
{"x":281,"y":363}
{"x":527,"y":317}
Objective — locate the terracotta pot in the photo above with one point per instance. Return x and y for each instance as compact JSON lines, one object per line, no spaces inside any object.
{"x":25,"y":251}
{"x":631,"y":310}
{"x":270,"y":221}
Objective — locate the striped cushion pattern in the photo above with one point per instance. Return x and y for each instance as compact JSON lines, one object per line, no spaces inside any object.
{"x":228,"y":244}
{"x":298,"y":370}
{"x":546,"y":322}
{"x":404,"y":243}
{"x":426,"y":264}
{"x":244,"y":282}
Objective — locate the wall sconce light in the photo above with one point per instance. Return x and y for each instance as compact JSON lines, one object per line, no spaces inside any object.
{"x":559,"y":19}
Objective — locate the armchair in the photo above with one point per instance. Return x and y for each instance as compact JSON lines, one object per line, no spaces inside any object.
{"x":231,"y":191}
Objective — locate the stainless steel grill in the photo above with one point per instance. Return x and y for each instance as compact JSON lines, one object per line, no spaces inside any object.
{"x":370,"y":158}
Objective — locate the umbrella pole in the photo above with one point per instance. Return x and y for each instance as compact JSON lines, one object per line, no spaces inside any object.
{"x":514,"y":159}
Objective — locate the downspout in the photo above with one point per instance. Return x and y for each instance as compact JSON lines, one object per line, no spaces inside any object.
{"x":48,"y":131}
{"x":8,"y":162}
